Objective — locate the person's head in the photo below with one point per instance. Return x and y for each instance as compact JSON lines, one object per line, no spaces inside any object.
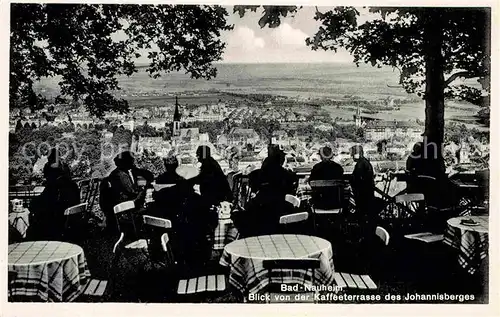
{"x":124,"y":160}
{"x":53,"y":156}
{"x":417,"y":148}
{"x":275,"y":155}
{"x":356,"y":152}
{"x":203,"y":153}
{"x":171,"y":163}
{"x":326,"y":153}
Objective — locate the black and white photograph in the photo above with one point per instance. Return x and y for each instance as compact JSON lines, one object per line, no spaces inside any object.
{"x":248,"y":154}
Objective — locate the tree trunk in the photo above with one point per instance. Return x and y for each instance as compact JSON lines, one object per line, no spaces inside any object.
{"x":434,"y":88}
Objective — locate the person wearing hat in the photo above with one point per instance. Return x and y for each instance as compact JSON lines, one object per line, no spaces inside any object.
{"x":327,"y":169}
{"x":124,"y":179}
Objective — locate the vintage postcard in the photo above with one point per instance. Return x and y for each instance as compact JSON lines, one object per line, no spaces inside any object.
{"x":248,"y":154}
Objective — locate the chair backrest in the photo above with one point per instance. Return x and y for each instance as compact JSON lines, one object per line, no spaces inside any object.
{"x":409,"y":198}
{"x":167,"y":250}
{"x":158,"y":187}
{"x":118,"y":243}
{"x":293,"y":218}
{"x":328,"y":194}
{"x":383,"y":235}
{"x":294,"y":200}
{"x":426,"y":177}
{"x":84,"y":186}
{"x":164,"y":241}
{"x":76,"y":209}
{"x":157,"y":222}
{"x":124,"y":206}
{"x":93,"y":193}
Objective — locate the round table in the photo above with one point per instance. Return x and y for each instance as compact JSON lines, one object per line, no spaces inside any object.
{"x":245,"y":257}
{"x":20,"y":221}
{"x":471,"y":242}
{"x":48,"y":270}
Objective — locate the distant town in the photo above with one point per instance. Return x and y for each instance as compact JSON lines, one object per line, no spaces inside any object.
{"x":249,"y":123}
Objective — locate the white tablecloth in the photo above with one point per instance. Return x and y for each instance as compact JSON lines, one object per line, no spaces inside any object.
{"x":49,"y":270}
{"x":245,"y":258}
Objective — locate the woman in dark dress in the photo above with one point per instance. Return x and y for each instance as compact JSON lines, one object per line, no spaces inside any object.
{"x":47,"y":210}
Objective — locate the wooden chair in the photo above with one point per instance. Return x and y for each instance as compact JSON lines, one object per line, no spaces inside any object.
{"x":93,"y":194}
{"x":412,"y":204}
{"x":75,"y":225}
{"x":329,"y":191}
{"x":89,"y":189}
{"x":167,"y":250}
{"x":206,"y":283}
{"x":354,"y":281}
{"x":158,"y":187}
{"x":125,"y":207}
{"x":94,"y":290}
{"x":294,"y":218}
{"x":383,"y":235}
{"x":155,"y":233}
{"x":294,"y":200}
{"x":84,"y":186}
{"x":290,"y":264}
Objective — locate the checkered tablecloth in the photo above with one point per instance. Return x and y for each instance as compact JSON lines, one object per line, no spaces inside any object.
{"x":225,"y":233}
{"x":245,"y":257}
{"x":49,"y":270}
{"x":20,"y":221}
{"x":471,"y":242}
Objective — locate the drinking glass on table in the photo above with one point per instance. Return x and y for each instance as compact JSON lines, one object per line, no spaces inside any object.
{"x":196,"y":188}
{"x":141,"y":183}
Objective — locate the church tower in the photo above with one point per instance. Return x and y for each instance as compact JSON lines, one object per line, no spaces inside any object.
{"x":357,"y":118}
{"x":177,"y":119}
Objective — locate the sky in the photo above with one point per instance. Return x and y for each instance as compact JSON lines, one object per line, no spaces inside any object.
{"x":248,"y":43}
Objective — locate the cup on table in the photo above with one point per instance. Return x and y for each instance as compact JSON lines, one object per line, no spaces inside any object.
{"x":224,"y":209}
{"x":17,"y":205}
{"x":196,"y":188}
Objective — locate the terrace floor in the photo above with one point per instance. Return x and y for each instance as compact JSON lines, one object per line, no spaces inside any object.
{"x":405,"y":266}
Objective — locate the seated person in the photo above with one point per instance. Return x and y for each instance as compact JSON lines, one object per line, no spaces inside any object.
{"x":47,"y":210}
{"x":123,"y":180}
{"x":169,"y":201}
{"x":271,"y":184}
{"x":327,"y":168}
{"x":414,"y":168}
{"x":191,"y":219}
{"x":363,"y":189}
{"x":324,"y":198}
{"x":214,"y":186}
